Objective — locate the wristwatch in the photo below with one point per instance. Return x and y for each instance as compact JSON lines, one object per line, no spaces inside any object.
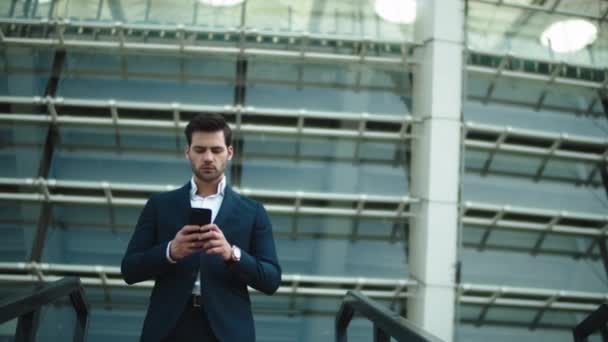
{"x":236,"y":254}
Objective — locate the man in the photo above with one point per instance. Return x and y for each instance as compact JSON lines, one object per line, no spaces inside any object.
{"x":201,"y":273}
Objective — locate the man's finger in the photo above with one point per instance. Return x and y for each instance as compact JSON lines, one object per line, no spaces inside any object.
{"x":191,"y":237}
{"x":186,"y":230}
{"x":210,"y":226}
{"x":210,"y":235}
{"x":216,"y":250}
{"x":195,"y":246}
{"x":212,"y":244}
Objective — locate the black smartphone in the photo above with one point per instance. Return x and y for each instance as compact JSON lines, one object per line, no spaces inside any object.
{"x":200,"y":217}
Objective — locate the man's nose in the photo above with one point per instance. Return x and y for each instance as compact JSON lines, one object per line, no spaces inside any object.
{"x":207,"y":156}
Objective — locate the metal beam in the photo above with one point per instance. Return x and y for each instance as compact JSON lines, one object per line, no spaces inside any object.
{"x":326,"y":286}
{"x":491,"y":216}
{"x":96,"y":193}
{"x":398,"y":127}
{"x":109,"y":278}
{"x":551,"y":10}
{"x":396,"y":130}
{"x":11,"y":11}
{"x":534,"y":77}
{"x":555,"y":5}
{"x":240,"y":95}
{"x":553,"y":140}
{"x":541,"y":312}
{"x":505,"y":60}
{"x":393,"y":133}
{"x":486,"y":234}
{"x":557,"y":69}
{"x":117,"y":11}
{"x":73,"y":35}
{"x":531,"y":298}
{"x":541,"y":168}
{"x":605,"y":15}
{"x":52,"y":140}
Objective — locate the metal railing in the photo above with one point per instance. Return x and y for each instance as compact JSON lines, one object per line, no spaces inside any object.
{"x":596,"y":321}
{"x":27,"y":308}
{"x":482,"y":295}
{"x":387,"y":323}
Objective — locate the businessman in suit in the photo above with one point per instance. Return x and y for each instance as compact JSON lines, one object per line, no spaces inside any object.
{"x":201,"y":273}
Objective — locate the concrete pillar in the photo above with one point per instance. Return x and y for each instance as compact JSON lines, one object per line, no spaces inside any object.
{"x":436,"y":157}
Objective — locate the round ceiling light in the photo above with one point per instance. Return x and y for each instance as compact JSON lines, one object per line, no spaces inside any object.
{"x":569,"y":35}
{"x":221,"y":3}
{"x":396,"y":11}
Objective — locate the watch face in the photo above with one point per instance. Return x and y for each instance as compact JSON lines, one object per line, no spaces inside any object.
{"x":236,"y":253}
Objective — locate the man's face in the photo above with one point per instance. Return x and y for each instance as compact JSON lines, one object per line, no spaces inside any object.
{"x":208,"y":155}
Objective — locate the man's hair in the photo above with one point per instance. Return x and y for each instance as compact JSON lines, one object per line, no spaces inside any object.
{"x":208,"y":123}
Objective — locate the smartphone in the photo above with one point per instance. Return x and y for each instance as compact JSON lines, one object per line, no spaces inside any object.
{"x":200,"y":217}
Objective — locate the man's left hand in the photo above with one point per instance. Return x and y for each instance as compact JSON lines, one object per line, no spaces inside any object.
{"x":215,"y":242}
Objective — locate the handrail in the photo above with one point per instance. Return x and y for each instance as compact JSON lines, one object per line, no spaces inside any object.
{"x":596,"y":321}
{"x":27,"y":308}
{"x":387,"y":323}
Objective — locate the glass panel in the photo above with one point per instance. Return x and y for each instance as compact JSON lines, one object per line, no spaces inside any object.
{"x":345,"y":18}
{"x":148,"y":78}
{"x":517,"y":31}
{"x":25,"y":71}
{"x":542,"y":271}
{"x":21,"y":148}
{"x":57,"y":322}
{"x":355,"y":89}
{"x":18,"y":222}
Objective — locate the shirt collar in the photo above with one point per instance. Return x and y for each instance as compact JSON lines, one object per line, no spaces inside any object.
{"x":220,"y":187}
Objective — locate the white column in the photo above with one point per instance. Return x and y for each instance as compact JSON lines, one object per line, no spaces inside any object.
{"x":436,"y":154}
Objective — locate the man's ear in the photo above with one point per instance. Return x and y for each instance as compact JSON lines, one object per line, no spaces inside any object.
{"x":230,"y":152}
{"x":187,"y":152}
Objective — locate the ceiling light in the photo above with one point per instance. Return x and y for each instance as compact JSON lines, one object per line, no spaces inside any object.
{"x":221,"y":3}
{"x":396,"y":11}
{"x":569,"y":35}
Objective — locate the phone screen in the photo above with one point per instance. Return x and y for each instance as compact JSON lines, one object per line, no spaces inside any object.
{"x":200,"y":217}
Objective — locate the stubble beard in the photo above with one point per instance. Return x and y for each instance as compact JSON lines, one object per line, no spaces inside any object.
{"x":207,"y":177}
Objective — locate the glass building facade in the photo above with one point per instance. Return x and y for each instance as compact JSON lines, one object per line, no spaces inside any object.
{"x":95,"y":94}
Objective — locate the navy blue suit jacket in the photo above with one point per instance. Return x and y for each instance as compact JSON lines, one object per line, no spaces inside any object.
{"x":225,"y":298}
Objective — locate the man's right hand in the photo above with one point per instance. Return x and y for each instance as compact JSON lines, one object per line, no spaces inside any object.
{"x":188,"y":240}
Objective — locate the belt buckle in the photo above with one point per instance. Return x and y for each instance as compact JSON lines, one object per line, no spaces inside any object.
{"x":195,"y":301}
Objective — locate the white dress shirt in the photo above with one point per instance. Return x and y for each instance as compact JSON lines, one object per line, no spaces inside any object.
{"x":212,"y":202}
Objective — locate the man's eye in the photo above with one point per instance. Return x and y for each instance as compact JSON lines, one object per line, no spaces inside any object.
{"x":217,"y":150}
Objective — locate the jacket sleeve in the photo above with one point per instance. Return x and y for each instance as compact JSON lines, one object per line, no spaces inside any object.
{"x":260,"y":267}
{"x":145,"y":258}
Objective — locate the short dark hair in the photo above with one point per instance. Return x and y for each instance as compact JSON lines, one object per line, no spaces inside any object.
{"x":209,"y":123}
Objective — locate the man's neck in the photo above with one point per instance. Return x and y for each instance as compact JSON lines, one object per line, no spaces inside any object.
{"x":205,"y":189}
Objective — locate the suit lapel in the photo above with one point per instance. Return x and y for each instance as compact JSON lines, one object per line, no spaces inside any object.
{"x":226,"y":209}
{"x":182,"y":210}
{"x":182,"y":215}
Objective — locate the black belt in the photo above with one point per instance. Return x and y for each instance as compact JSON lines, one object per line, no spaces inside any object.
{"x":196,"y":301}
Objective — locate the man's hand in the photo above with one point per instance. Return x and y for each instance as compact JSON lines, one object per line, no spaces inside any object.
{"x":188,"y":240}
{"x":215,"y":242}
